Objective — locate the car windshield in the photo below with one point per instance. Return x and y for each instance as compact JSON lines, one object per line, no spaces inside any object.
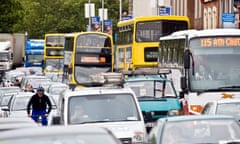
{"x":104,"y":108}
{"x":37,"y":81}
{"x":4,"y":100}
{"x":200,"y":131}
{"x":85,"y":138}
{"x":57,"y":90}
{"x":228,"y":108}
{"x":146,"y":88}
{"x":20,"y":103}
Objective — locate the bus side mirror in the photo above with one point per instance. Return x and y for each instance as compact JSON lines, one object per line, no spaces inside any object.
{"x":181,"y":94}
{"x":183,"y":83}
{"x":187,"y":54}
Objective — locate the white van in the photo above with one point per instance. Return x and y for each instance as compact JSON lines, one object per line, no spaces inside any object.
{"x":114,"y":108}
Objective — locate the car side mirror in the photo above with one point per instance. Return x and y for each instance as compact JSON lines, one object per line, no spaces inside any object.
{"x":183,"y":83}
{"x":5,"y":108}
{"x":147,"y":116}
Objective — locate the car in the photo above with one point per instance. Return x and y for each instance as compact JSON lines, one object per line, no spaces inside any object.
{"x":59,"y":135}
{"x":11,"y":123}
{"x":156,"y":94}
{"x":34,"y":80}
{"x":55,"y":88}
{"x":17,"y":106}
{"x":194,"y":129}
{"x":10,"y":76}
{"x":9,"y":90}
{"x":112,"y":107}
{"x":4,"y":100}
{"x":226,"y":106}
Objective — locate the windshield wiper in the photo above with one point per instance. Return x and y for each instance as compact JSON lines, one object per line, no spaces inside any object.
{"x":230,"y":87}
{"x":218,"y":89}
{"x":99,"y":121}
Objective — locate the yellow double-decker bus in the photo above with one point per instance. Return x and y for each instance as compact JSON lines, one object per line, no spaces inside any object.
{"x":85,"y":54}
{"x":138,"y":39}
{"x":53,"y":53}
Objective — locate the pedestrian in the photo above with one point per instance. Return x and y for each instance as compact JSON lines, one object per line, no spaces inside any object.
{"x":29,"y":88}
{"x":39,"y":103}
{"x":17,"y":83}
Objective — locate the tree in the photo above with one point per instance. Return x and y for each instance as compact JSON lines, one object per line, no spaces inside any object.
{"x":10,"y":15}
{"x":60,"y":16}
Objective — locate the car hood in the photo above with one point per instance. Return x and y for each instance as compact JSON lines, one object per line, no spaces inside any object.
{"x":121,"y":129}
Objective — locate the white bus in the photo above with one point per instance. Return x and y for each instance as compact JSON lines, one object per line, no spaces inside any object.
{"x":209,"y":62}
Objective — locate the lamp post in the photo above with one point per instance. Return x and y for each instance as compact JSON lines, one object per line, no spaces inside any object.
{"x":120,"y":10}
{"x":102,"y":15}
{"x":89,"y":20}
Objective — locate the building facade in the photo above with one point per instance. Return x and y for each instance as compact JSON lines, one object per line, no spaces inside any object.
{"x":203,"y":14}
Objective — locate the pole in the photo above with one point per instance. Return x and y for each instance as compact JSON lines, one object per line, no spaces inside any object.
{"x":120,"y":10}
{"x":102,"y":15}
{"x":89,"y":20}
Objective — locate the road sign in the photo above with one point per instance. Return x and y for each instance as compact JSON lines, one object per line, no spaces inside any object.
{"x":165,"y":10}
{"x":126,"y":17}
{"x":228,"y":17}
{"x":95,"y":20}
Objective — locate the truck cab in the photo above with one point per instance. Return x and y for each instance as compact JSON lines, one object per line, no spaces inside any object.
{"x":112,"y":107}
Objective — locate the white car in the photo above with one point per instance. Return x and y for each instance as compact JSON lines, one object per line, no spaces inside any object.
{"x":55,"y":88}
{"x":17,"y":106}
{"x":228,"y":106}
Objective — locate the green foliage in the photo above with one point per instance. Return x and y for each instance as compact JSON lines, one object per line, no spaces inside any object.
{"x":10,"y":14}
{"x":60,"y":16}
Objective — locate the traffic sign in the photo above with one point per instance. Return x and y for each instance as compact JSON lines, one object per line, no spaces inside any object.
{"x":228,"y":17}
{"x":165,"y":10}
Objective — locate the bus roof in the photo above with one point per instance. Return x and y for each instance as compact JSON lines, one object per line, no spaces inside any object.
{"x":54,"y":34}
{"x":201,"y":33}
{"x":151,"y":18}
{"x":178,"y":35}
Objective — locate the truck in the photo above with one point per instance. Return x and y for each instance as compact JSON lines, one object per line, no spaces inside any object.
{"x":34,"y":53}
{"x":11,"y":51}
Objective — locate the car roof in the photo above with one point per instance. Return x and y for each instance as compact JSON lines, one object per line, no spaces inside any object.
{"x":197,"y":117}
{"x":23,"y":94}
{"x":97,"y":90}
{"x":10,"y":123}
{"x":53,"y":130}
{"x":145,"y":78}
{"x":9,"y":88}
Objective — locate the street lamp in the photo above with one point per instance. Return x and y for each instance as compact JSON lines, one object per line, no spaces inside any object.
{"x":120,"y":10}
{"x":89,"y":20}
{"x":102,"y":15}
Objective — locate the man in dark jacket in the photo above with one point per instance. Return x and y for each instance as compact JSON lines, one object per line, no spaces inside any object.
{"x":39,"y":103}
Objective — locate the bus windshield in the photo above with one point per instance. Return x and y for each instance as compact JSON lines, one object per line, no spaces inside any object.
{"x":55,"y":41}
{"x":93,"y":54}
{"x":93,"y":40}
{"x":216,"y":62}
{"x":150,"y":31}
{"x":54,"y":64}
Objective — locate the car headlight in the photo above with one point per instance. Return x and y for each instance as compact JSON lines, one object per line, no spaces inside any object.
{"x":173,"y":113}
{"x":138,"y":137}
